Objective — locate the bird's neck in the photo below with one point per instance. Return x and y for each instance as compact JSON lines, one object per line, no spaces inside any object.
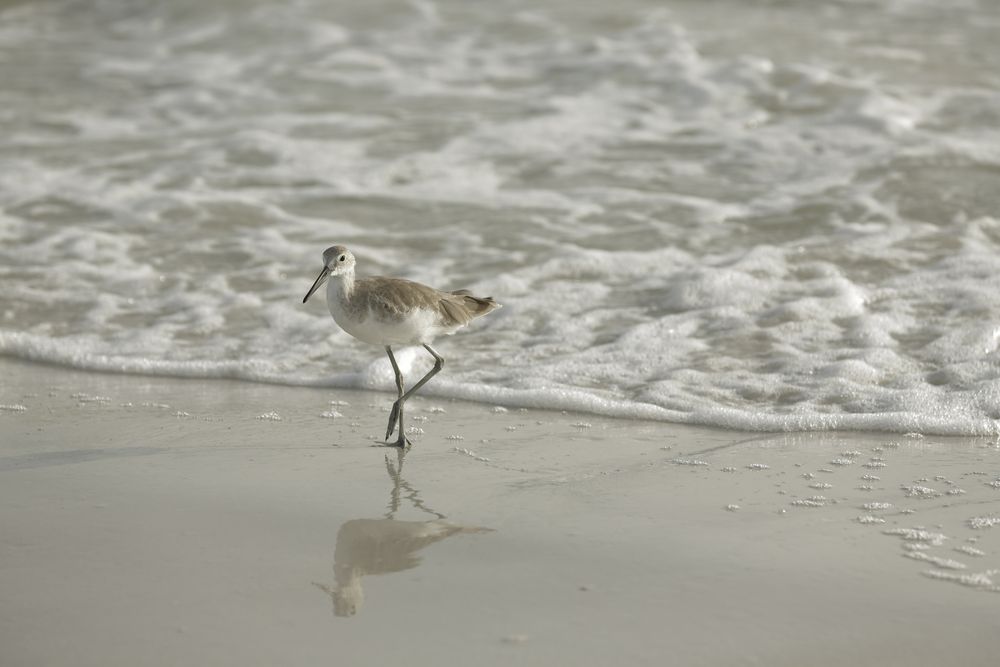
{"x":341,"y":286}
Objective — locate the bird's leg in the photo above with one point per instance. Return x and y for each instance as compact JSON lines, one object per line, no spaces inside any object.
{"x":396,"y":416}
{"x":398,"y":405}
{"x":438,"y":365}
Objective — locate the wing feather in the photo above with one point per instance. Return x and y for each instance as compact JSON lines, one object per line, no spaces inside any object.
{"x":397,"y":296}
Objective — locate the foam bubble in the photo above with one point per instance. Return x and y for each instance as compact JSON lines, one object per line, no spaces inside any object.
{"x":937,"y":561}
{"x":981,"y":522}
{"x":918,"y":535}
{"x":978,"y":580}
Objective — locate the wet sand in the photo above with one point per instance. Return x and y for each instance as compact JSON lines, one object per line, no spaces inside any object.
{"x":160,"y":522}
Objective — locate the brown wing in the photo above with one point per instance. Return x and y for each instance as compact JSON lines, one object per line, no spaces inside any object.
{"x":397,"y":296}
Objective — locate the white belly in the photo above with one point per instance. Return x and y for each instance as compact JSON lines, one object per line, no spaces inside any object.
{"x":419,"y":326}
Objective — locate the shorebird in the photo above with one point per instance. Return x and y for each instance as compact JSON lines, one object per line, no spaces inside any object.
{"x":394,"y":311}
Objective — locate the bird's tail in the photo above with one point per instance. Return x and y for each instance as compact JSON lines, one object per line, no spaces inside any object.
{"x":477,"y":305}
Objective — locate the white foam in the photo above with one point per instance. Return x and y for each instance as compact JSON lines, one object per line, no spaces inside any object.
{"x":980,"y":522}
{"x":869,"y":519}
{"x":750,"y":242}
{"x":877,"y":506}
{"x":937,"y":561}
{"x":917,"y":491}
{"x":969,"y":551}
{"x":918,"y":535}
{"x":979,"y":580}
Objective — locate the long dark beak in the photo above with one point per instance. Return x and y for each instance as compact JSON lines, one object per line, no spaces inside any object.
{"x":323,"y":275}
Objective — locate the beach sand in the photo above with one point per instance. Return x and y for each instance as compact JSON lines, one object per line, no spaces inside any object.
{"x":153,"y":521}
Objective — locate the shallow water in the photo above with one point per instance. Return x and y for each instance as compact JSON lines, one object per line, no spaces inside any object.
{"x":766,"y":215}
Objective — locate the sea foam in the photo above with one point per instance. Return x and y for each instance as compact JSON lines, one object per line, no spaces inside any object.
{"x":790,"y":241}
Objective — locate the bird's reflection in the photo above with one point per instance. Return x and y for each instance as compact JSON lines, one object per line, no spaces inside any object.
{"x":382,"y":546}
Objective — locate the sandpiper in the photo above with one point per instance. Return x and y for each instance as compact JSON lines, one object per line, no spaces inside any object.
{"x":394,"y":311}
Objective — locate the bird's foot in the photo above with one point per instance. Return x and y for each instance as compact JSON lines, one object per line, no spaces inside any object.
{"x":402,"y":442}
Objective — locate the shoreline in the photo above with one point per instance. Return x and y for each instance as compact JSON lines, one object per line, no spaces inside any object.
{"x":568,"y":400}
{"x":164,"y":521}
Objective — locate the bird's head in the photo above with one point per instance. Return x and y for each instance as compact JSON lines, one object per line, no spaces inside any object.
{"x":337,"y":260}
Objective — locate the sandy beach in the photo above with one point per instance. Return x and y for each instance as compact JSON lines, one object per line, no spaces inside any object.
{"x":747,"y":258}
{"x":164,"y":522}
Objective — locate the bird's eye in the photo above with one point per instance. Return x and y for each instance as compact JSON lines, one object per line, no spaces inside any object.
{"x":342,"y":258}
